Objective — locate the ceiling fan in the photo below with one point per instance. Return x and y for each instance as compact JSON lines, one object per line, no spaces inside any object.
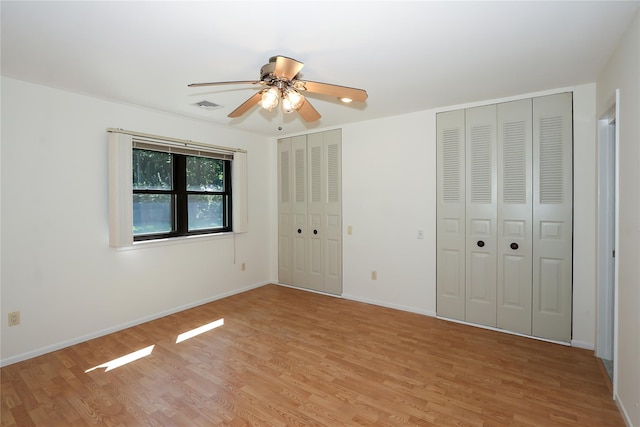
{"x":281,"y":85}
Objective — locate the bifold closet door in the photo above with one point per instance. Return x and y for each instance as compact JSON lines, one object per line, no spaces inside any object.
{"x":285,"y":217}
{"x":515,"y":211}
{"x":324,"y":234}
{"x":299,"y":211}
{"x":552,"y":216}
{"x":315,"y":212}
{"x":481,"y":215}
{"x":504,"y":216}
{"x":309,"y":211}
{"x":333,"y":212}
{"x":450,"y":219}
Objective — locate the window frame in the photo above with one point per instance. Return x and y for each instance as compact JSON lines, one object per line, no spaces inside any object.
{"x":120,"y":170}
{"x":180,"y":199}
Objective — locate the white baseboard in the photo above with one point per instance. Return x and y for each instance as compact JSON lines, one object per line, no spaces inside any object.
{"x":48,"y":349}
{"x":366,"y":301}
{"x":623,"y":412}
{"x":388,"y":305}
{"x":582,"y":344}
{"x":306,"y":290}
{"x":567,"y":344}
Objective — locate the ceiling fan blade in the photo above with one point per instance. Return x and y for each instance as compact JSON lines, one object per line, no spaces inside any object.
{"x":307,"y":112}
{"x":333,"y":90}
{"x":246,"y":106}
{"x":287,"y":68}
{"x":252,"y":82}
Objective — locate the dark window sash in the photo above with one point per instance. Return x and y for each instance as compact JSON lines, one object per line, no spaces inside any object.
{"x":180,"y":220}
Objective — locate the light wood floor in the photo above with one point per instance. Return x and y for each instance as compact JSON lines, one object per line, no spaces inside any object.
{"x":289,"y":357}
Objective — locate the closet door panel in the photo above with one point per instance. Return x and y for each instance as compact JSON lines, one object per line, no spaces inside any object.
{"x":450,"y":219}
{"x":332,"y":213}
{"x":315,"y":230}
{"x":314,"y":247}
{"x":552,"y":215}
{"x":481,"y":205}
{"x":515,"y":211}
{"x":285,"y":218}
{"x":299,"y":210}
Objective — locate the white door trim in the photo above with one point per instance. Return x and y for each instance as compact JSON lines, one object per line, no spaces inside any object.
{"x":607,"y":223}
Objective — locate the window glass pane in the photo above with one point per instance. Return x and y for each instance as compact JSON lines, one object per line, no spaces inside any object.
{"x":205,"y":211}
{"x":205,"y":174}
{"x":152,"y":213}
{"x":152,"y":170}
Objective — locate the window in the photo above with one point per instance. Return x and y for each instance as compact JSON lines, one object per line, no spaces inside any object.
{"x":163,"y":188}
{"x":179,"y":195}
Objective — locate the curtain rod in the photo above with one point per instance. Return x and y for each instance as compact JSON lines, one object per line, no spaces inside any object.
{"x":187,"y":142}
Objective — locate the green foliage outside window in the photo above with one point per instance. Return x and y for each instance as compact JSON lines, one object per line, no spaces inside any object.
{"x":152,"y":170}
{"x":199,"y":204}
{"x":205,"y":174}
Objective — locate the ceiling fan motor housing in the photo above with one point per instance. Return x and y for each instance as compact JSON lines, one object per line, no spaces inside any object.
{"x":271,"y":71}
{"x":267,"y":69}
{"x":267,"y":72}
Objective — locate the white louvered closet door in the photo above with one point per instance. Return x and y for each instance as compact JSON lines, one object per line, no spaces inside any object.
{"x":332,"y":211}
{"x":324,"y":207}
{"x":310,"y":211}
{"x":552,"y":216}
{"x":515,"y":245}
{"x":450,"y":219}
{"x":481,"y":213}
{"x":299,"y":210}
{"x":285,"y":217}
{"x":315,"y":214}
{"x":504,"y":216}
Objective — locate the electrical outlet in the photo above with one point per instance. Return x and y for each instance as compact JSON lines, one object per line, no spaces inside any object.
{"x":14,"y":318}
{"x":374,"y":275}
{"x":349,"y":230}
{"x":243,"y":267}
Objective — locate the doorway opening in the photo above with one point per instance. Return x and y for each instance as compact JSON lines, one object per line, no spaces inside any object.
{"x":606,"y":334}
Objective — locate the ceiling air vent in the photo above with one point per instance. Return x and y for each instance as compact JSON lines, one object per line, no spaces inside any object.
{"x":208,"y":105}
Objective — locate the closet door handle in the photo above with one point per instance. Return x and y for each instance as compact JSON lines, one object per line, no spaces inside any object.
{"x":480,"y":243}
{"x":315,"y":231}
{"x":299,"y":231}
{"x":514,"y":246}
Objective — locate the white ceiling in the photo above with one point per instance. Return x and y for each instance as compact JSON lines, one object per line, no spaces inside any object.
{"x":409,"y":56}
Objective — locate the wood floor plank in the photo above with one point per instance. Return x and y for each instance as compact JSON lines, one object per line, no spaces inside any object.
{"x":285,"y":357}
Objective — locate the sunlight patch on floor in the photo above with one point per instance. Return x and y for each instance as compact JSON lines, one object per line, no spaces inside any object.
{"x":132,"y":357}
{"x":116,"y":363}
{"x":200,"y":330}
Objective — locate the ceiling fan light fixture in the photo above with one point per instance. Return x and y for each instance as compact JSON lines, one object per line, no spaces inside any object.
{"x":281,"y":78}
{"x":269,"y":98}
{"x":286,"y":106}
{"x":292,"y":100}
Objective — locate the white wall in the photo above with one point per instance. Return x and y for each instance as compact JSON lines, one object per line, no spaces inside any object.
{"x":623,"y":72}
{"x":389,"y":192}
{"x":57,"y":267}
{"x":58,"y":270}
